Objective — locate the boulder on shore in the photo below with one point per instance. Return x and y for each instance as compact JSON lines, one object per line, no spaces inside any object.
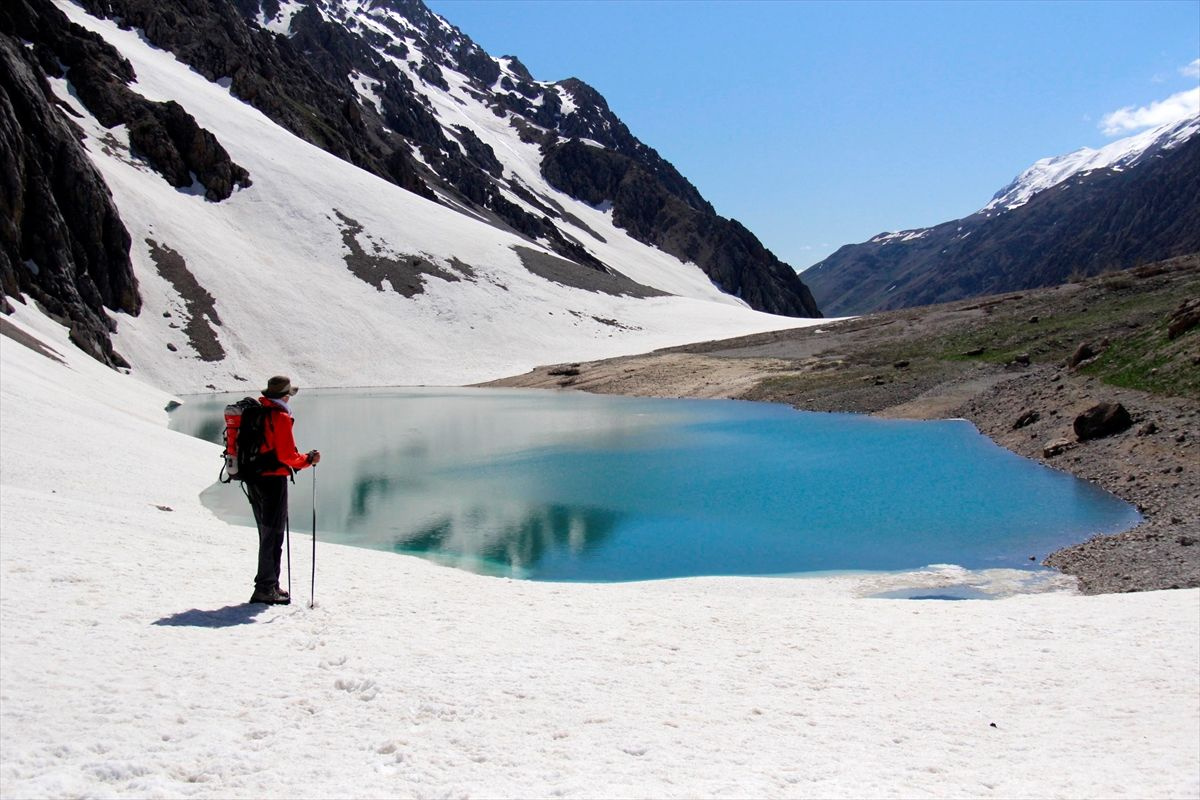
{"x":1183,"y":318}
{"x":1082,"y":353}
{"x":1027,"y":418}
{"x":1055,"y":447}
{"x":1102,"y":419}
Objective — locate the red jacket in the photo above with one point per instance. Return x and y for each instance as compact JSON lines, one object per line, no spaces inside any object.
{"x":277,"y":435}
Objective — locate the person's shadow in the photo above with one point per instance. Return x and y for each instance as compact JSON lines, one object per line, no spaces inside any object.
{"x":227,"y":617}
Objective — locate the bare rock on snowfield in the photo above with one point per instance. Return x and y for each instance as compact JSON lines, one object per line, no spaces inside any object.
{"x":183,"y":152}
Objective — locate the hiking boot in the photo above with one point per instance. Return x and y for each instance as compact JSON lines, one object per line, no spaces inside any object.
{"x":271,"y":597}
{"x":282,"y":592}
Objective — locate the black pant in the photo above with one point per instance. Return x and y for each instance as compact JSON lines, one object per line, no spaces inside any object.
{"x":269,"y":499}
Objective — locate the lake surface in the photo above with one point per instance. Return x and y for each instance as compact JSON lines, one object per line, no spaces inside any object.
{"x":576,"y":487}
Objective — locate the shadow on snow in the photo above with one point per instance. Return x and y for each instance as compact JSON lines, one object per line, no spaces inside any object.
{"x":227,"y":617}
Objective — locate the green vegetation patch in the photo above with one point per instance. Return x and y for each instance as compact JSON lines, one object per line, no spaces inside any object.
{"x":1056,"y":333}
{"x":1150,"y":362}
{"x":885,"y":359}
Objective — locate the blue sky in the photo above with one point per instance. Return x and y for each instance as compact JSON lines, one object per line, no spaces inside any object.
{"x":819,"y":124}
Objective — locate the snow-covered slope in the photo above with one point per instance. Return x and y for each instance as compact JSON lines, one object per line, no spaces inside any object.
{"x":131,"y":666}
{"x":297,"y":273}
{"x":1117,"y":156}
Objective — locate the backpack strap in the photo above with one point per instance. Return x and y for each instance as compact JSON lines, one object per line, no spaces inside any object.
{"x":269,"y":419}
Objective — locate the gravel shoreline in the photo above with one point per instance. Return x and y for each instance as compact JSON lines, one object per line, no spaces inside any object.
{"x":1152,"y":465}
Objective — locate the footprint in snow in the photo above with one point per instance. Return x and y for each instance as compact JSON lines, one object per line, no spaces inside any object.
{"x":364,"y":688}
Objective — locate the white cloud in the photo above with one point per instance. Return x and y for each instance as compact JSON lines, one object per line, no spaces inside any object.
{"x":1192,"y":70}
{"x":1160,"y":112}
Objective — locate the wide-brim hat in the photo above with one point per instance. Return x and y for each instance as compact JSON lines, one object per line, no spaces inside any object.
{"x":280,"y":386}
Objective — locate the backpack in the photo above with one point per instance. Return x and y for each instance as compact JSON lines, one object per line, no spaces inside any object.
{"x":245,"y":436}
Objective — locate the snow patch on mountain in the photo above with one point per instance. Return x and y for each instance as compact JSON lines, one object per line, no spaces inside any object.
{"x":900,"y":236}
{"x":281,"y":23}
{"x":368,"y":89}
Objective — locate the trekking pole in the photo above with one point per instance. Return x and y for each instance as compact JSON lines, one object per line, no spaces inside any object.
{"x":312,"y":591}
{"x":288,"y":538}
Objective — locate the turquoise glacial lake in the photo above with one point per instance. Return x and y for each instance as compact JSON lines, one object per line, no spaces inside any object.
{"x":566,"y":486}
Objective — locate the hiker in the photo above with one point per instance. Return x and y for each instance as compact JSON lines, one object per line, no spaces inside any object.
{"x":268,"y":492}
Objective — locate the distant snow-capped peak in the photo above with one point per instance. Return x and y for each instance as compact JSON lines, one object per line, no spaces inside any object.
{"x":1117,"y":156}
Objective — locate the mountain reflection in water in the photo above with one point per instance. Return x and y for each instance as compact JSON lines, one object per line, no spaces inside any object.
{"x":517,"y":544}
{"x":570,"y":486}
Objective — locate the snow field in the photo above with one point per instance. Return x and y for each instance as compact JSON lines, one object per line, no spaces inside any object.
{"x":131,"y":667}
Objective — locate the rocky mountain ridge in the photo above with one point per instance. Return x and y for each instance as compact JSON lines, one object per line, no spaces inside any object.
{"x":1116,"y":156}
{"x":1132,"y":202}
{"x":382,"y":85}
{"x":359,"y":170}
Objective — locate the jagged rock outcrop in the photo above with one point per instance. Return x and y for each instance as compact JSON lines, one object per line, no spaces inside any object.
{"x":164,"y":134}
{"x":61,"y":238}
{"x":645,"y":207}
{"x":183,"y":152}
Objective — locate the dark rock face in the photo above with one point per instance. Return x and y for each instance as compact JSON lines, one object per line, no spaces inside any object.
{"x":658,"y":206}
{"x":62,"y":241}
{"x":163,"y":134}
{"x":1102,"y":419}
{"x":646,"y":208}
{"x":183,"y":152}
{"x":1097,"y":221}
